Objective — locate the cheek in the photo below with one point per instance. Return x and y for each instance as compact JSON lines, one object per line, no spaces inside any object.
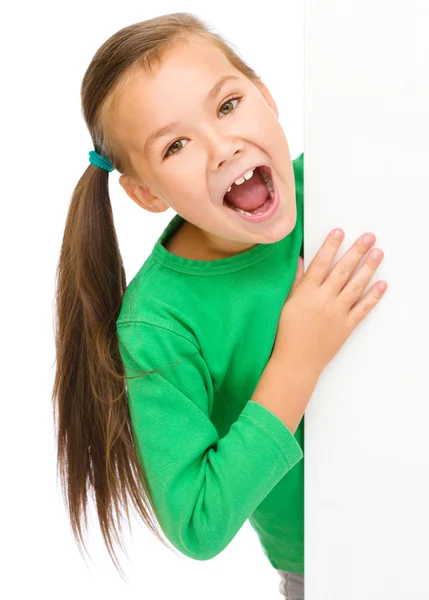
{"x":184,"y":186}
{"x":266,"y":125}
{"x":274,"y":135}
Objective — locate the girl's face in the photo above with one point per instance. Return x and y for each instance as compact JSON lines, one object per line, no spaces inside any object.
{"x":212,"y":141}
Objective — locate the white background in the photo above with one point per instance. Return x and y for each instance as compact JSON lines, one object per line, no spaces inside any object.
{"x":46,"y":48}
{"x":352,"y":89}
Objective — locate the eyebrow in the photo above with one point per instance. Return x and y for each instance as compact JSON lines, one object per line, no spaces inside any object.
{"x":162,"y":131}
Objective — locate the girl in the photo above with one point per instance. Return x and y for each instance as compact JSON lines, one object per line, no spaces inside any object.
{"x":185,"y":390}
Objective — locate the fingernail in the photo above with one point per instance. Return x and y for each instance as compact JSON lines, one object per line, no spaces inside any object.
{"x":375,"y":254}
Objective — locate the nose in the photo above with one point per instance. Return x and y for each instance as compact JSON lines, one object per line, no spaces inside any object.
{"x":223,"y":147}
{"x":234,"y":153}
{"x":223,"y":151}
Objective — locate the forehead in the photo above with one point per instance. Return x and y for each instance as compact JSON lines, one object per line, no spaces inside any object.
{"x":149,"y":100}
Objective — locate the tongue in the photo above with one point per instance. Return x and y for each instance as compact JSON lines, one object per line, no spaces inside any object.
{"x":250,"y":194}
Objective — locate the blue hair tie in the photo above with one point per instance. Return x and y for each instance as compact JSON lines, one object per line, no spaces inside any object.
{"x":100,"y":161}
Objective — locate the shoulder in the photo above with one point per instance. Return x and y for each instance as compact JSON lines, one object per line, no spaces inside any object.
{"x":298,"y":164}
{"x":298,"y":169}
{"x":170,"y":333}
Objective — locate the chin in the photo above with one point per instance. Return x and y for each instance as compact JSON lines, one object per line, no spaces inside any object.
{"x":280,"y":228}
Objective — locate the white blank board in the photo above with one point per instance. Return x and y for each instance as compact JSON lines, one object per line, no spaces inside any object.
{"x":366,"y":73}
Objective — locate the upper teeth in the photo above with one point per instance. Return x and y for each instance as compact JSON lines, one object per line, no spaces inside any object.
{"x":249,"y":174}
{"x":241,"y":179}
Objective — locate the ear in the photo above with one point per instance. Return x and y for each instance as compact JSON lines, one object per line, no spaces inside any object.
{"x":142,"y":195}
{"x":267,"y":95}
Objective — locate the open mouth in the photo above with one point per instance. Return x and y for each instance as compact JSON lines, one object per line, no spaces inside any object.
{"x":263,"y":212}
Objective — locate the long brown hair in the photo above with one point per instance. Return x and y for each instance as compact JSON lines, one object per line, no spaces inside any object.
{"x":95,"y":450}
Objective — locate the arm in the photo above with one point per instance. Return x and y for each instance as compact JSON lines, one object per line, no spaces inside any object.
{"x":204,"y":488}
{"x":285,"y":389}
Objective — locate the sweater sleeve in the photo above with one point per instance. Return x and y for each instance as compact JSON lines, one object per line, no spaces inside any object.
{"x":204,"y":487}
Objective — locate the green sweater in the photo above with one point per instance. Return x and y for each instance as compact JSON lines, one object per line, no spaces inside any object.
{"x":213,"y":457}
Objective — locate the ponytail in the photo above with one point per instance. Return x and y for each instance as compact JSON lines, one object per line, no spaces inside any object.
{"x":95,"y":441}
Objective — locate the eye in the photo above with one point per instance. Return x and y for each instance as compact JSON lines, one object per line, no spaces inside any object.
{"x":172,"y":146}
{"x":229,"y":102}
{"x":238,"y":98}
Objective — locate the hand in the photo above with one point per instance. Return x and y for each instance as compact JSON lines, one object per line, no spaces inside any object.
{"x":323,"y":309}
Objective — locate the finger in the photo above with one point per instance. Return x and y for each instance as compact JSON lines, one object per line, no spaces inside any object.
{"x":322,"y":261}
{"x":357,"y":284}
{"x":364,"y":306}
{"x":340,"y":274}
